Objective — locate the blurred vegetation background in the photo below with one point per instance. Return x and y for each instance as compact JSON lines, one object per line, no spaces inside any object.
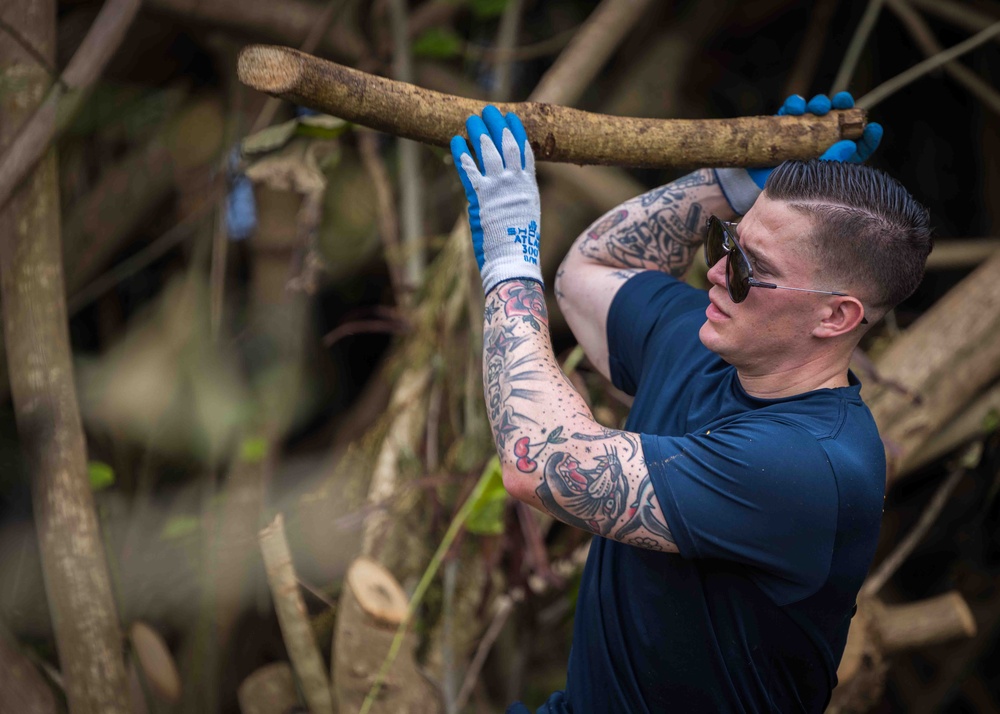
{"x":271,"y":311}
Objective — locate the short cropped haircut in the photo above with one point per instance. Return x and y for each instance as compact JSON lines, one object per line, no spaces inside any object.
{"x":869,"y":232}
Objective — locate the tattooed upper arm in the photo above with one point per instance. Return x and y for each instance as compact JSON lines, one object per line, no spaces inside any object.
{"x":659,"y":230}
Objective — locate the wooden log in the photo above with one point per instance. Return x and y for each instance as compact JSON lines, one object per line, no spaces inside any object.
{"x":944,"y":360}
{"x":921,"y":624}
{"x":972,"y":422}
{"x":269,"y":690}
{"x":879,"y":631}
{"x":961,"y":252}
{"x":557,"y":133}
{"x":371,"y":608}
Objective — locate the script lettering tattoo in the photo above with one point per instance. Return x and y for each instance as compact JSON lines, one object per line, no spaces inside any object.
{"x":583,"y":473}
{"x":499,"y":381}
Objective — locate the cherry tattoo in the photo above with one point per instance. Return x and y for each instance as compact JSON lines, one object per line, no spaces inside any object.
{"x":526,"y":463}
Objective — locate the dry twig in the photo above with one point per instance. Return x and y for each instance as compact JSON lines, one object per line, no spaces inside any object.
{"x":295,"y":627}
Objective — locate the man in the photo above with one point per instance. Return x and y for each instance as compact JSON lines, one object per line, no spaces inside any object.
{"x":739,"y":508}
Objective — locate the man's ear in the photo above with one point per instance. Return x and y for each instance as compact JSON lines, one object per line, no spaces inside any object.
{"x":842,"y":315}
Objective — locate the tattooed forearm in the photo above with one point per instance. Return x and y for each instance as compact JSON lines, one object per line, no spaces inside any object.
{"x":659,"y":230}
{"x":561,"y":460}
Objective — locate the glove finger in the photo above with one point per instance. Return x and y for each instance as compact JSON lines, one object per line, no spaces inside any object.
{"x":476,"y":129}
{"x":870,"y":139}
{"x":841,"y":151}
{"x":843,"y":100}
{"x":520,"y":136}
{"x":495,"y":123}
{"x":511,"y":151}
{"x":793,"y":106}
{"x":460,"y":149}
{"x":492,"y":161}
{"x":466,"y":167}
{"x":819,"y":105}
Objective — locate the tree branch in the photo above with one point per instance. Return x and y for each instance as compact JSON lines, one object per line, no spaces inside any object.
{"x":66,"y":95}
{"x":560,"y":133}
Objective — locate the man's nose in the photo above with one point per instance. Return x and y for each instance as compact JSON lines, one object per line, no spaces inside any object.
{"x":717,"y":273}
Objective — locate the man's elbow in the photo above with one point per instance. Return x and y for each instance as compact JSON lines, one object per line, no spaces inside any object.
{"x":515,"y":483}
{"x":564,"y":282}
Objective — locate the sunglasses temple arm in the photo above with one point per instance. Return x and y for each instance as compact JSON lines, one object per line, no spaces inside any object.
{"x":772,"y":286}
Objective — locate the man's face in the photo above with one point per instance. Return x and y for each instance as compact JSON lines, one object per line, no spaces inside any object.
{"x":772,"y":329}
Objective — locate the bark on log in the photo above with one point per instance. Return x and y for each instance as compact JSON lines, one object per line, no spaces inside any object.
{"x":879,"y":631}
{"x":557,"y":133}
{"x":972,"y":422}
{"x":942,"y":361}
{"x":269,"y":690}
{"x":371,"y":608}
{"x":88,"y":636}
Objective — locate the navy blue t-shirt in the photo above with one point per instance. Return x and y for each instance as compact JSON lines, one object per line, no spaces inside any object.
{"x":775,"y":506}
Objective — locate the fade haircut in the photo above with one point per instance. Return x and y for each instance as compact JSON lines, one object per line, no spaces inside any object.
{"x":868,"y":231}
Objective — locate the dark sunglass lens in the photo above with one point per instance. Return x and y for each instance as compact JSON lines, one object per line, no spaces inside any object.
{"x":738,"y":276}
{"x":713,"y":242}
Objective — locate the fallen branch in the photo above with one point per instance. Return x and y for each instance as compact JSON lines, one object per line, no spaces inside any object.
{"x":558,"y":133}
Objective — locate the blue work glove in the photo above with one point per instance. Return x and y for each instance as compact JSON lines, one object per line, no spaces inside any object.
{"x":504,"y":207}
{"x":742,"y":186}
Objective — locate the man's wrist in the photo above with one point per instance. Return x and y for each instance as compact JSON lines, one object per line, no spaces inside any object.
{"x":738,"y":187}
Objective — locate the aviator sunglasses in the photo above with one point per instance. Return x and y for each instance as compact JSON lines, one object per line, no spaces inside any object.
{"x":720,"y":242}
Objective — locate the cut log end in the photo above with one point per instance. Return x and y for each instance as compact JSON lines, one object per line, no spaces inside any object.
{"x":377,"y":592}
{"x":268,"y":68}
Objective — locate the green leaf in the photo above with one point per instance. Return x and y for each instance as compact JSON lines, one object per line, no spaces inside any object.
{"x":486,"y":514}
{"x":180,"y":526}
{"x":991,"y":422}
{"x":438,"y":43}
{"x":322,"y":126}
{"x":253,"y":449}
{"x":485,"y":9}
{"x":100,"y":475}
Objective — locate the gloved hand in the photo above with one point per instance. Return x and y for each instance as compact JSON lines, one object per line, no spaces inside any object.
{"x":742,"y":186}
{"x":504,"y":207}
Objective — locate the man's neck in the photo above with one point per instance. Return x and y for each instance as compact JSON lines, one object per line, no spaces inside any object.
{"x":787,"y":382}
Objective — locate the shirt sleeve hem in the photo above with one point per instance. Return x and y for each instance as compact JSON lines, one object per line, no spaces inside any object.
{"x":665,"y":496}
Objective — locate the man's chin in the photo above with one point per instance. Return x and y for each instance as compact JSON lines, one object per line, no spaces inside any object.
{"x":709,"y":336}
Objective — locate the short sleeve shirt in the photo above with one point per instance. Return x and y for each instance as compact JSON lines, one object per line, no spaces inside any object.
{"x":775,"y":506}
